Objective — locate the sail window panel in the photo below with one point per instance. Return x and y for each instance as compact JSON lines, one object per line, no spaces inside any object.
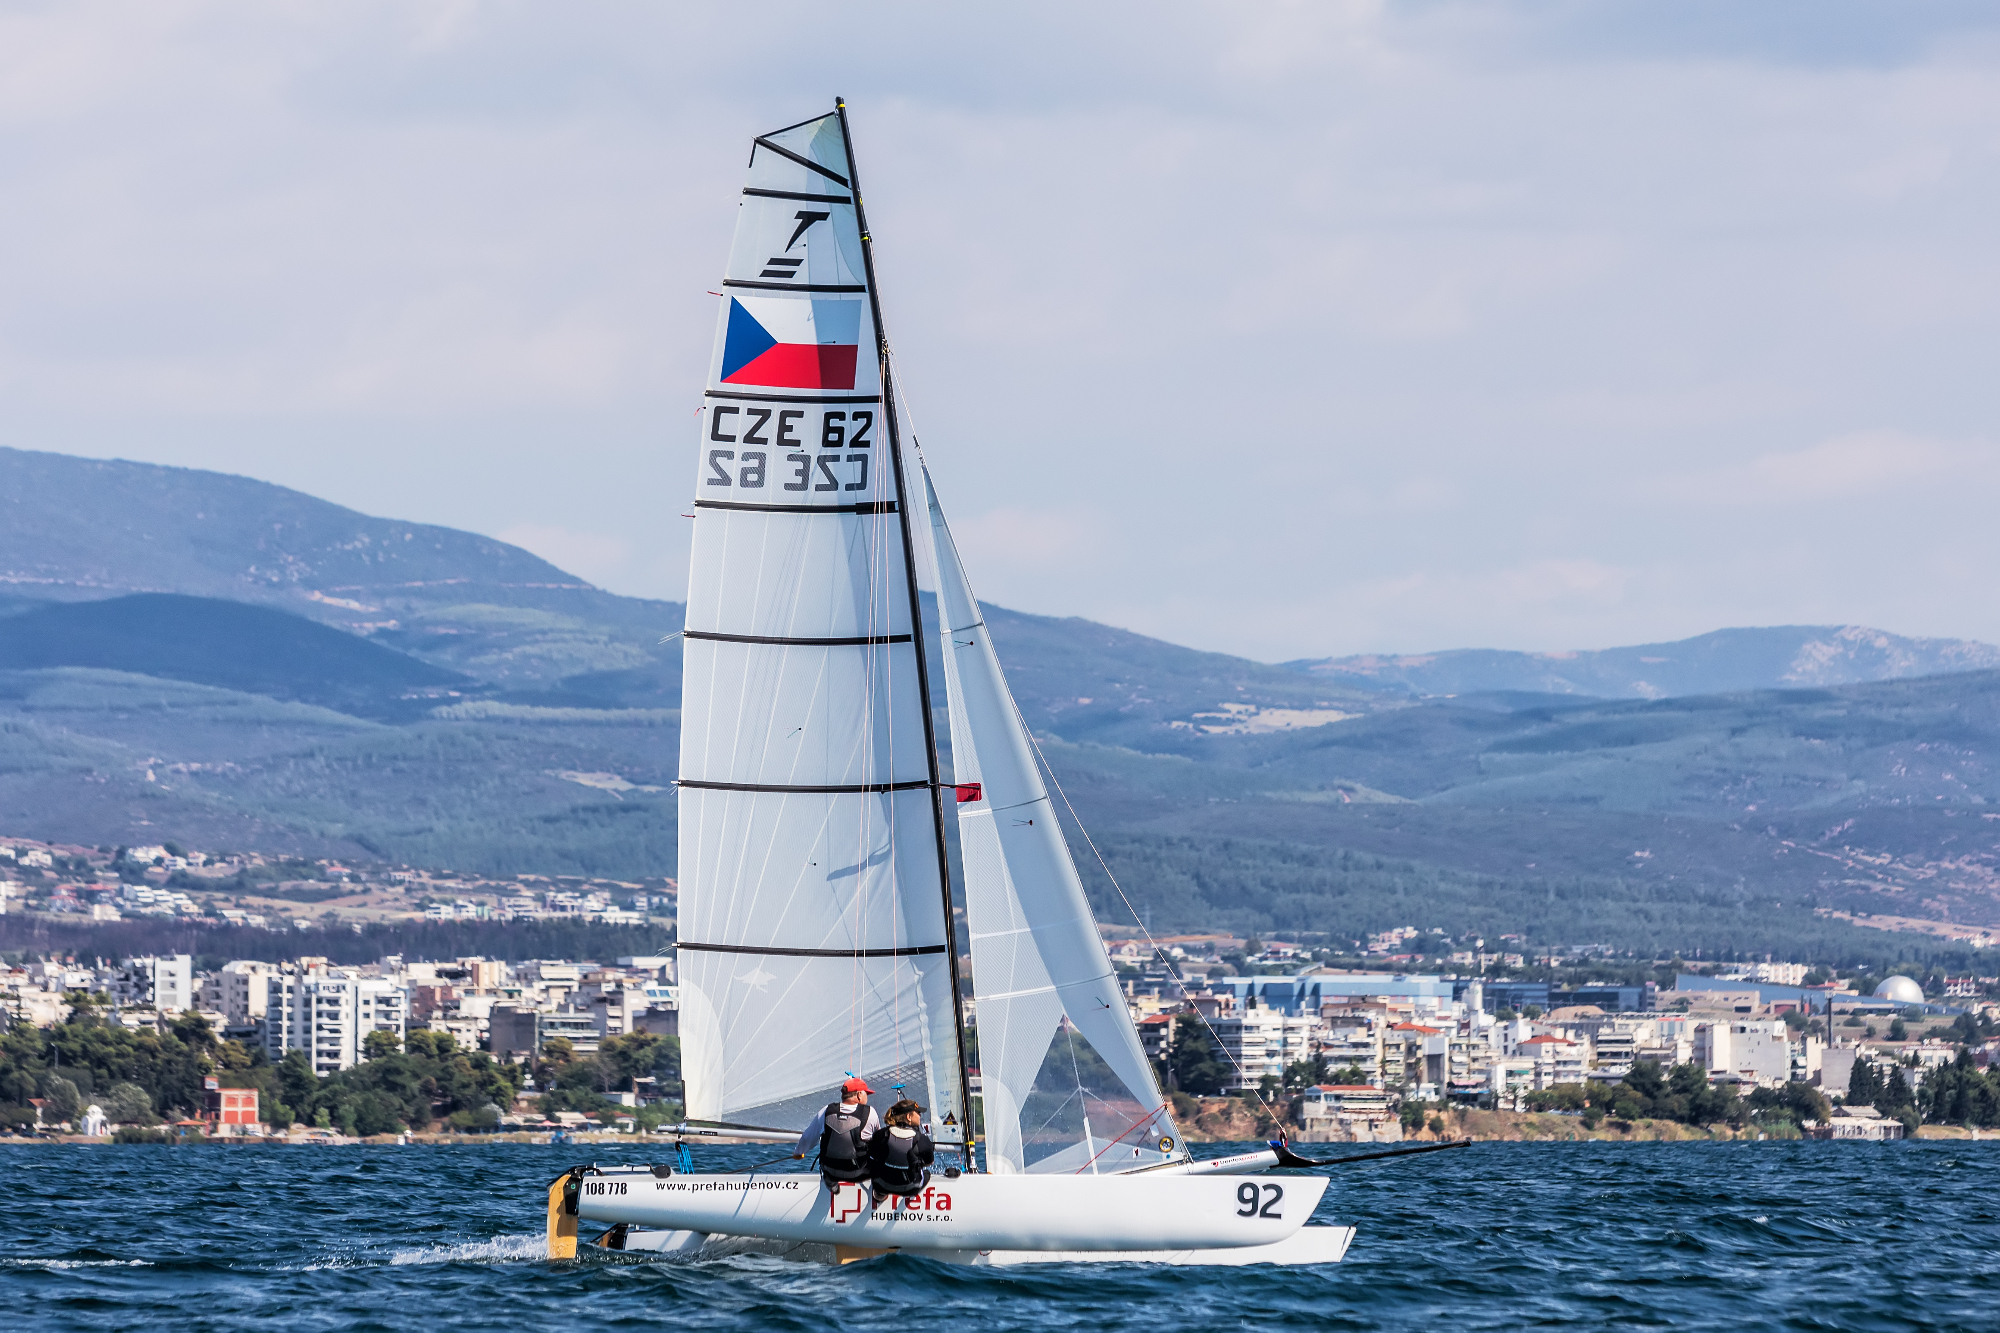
{"x":790,"y":870}
{"x":817,"y":141}
{"x":1081,"y":1117}
{"x":1013,"y":1045}
{"x":798,"y":575}
{"x":768,"y":1041}
{"x":771,"y":714}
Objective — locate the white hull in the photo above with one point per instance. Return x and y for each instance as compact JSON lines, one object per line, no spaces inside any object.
{"x":1307,"y":1245}
{"x":1048,"y":1214}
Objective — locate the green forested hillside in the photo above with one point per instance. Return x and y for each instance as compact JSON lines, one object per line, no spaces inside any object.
{"x":481,"y":711}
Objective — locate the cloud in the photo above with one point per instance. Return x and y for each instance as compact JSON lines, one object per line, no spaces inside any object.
{"x":1289,"y":330}
{"x":595,"y":557}
{"x":1869,"y":466}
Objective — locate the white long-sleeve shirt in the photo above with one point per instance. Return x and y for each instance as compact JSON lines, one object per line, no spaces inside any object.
{"x":809,"y":1141}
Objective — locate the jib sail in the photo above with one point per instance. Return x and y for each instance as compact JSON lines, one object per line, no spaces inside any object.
{"x":1065,"y":1085}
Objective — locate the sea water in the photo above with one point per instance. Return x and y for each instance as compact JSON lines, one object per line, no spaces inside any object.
{"x":1495,"y":1236}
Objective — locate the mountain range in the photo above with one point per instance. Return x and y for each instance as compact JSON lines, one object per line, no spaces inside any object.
{"x":1722,"y":662}
{"x":235,"y":665}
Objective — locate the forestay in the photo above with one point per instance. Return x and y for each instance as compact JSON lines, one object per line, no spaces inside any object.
{"x":1065,"y":1082}
{"x":814,"y":942}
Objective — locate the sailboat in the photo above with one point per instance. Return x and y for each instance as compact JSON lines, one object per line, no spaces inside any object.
{"x":818,"y":939}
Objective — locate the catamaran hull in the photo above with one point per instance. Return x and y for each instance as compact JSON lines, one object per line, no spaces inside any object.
{"x":976,"y":1213}
{"x":1307,"y":1245}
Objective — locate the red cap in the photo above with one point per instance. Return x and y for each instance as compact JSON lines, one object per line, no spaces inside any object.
{"x":857,"y":1085}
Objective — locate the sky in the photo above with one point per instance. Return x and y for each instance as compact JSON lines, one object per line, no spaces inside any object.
{"x":1287,"y":330}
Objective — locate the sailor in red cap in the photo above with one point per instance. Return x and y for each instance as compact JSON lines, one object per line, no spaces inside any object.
{"x":841,"y":1133}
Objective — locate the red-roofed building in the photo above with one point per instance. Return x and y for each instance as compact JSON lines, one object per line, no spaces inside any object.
{"x":1557,"y":1059}
{"x":1156,"y":1036}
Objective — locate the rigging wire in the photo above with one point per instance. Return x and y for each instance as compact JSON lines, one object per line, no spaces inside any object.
{"x":1187,"y":996}
{"x":1081,"y":1093}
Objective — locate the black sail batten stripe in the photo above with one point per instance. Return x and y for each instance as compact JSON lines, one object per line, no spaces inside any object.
{"x":794,"y":286}
{"x":775,"y":951}
{"x":895,"y":447}
{"x":860,"y":641}
{"x":867,"y":507}
{"x":782,"y":788}
{"x":805,"y":162}
{"x":794,"y":194}
{"x":793,"y":398}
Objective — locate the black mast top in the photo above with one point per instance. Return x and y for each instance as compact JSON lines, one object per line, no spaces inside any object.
{"x":916,"y":620}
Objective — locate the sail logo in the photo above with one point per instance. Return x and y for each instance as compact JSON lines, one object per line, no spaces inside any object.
{"x":791,"y":344}
{"x":780,"y":265}
{"x":850,"y":1200}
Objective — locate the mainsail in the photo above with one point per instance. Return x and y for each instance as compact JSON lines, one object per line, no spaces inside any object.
{"x":1065,"y":1085}
{"x":814,"y":937}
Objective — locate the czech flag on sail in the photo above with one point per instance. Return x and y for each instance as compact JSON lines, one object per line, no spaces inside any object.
{"x":791,"y":344}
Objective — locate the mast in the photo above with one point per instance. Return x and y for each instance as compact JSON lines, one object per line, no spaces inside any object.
{"x":916,"y":620}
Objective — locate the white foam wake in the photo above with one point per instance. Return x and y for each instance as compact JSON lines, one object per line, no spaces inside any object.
{"x":498,"y":1250}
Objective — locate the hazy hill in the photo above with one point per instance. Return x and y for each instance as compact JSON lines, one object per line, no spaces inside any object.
{"x":1224,"y":791}
{"x":1721,"y":662}
{"x":236,"y":646}
{"x":75,"y":529}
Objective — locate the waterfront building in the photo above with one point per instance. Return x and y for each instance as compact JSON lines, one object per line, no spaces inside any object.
{"x":1755,"y":1052}
{"x":1346,"y":1112}
{"x":1862,"y":1123}
{"x":229,"y":1110}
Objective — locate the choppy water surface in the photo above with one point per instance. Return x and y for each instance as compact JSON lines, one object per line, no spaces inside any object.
{"x":1496,"y":1236}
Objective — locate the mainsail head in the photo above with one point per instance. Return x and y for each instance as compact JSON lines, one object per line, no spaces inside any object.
{"x":814,"y":942}
{"x":1065,"y":1085}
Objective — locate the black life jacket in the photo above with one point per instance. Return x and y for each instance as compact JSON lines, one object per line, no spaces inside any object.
{"x":896,"y":1164}
{"x":841,"y":1154}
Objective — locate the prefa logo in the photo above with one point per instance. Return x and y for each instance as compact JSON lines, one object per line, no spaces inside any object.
{"x":851,"y":1200}
{"x":932,"y":1200}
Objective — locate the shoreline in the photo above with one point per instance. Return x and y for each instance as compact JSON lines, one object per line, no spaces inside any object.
{"x":1473,"y":1127}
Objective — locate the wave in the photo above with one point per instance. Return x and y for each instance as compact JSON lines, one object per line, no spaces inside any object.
{"x":498,"y":1250}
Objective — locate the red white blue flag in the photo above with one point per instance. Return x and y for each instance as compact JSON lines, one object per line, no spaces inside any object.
{"x":788,"y":343}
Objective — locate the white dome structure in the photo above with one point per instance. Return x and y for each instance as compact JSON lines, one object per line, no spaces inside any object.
{"x":1902,"y":990}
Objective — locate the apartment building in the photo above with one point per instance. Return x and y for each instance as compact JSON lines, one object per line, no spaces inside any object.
{"x":328,"y":1014}
{"x":1753,"y":1051}
{"x":240,"y":991}
{"x":166,"y":984}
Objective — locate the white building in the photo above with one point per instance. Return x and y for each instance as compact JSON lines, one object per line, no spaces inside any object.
{"x":1557,"y":1059}
{"x":241,"y":991}
{"x":1754,"y":1051}
{"x":1347,"y":1112}
{"x":166,"y":984}
{"x":1261,"y":1041}
{"x":328,"y":1013}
